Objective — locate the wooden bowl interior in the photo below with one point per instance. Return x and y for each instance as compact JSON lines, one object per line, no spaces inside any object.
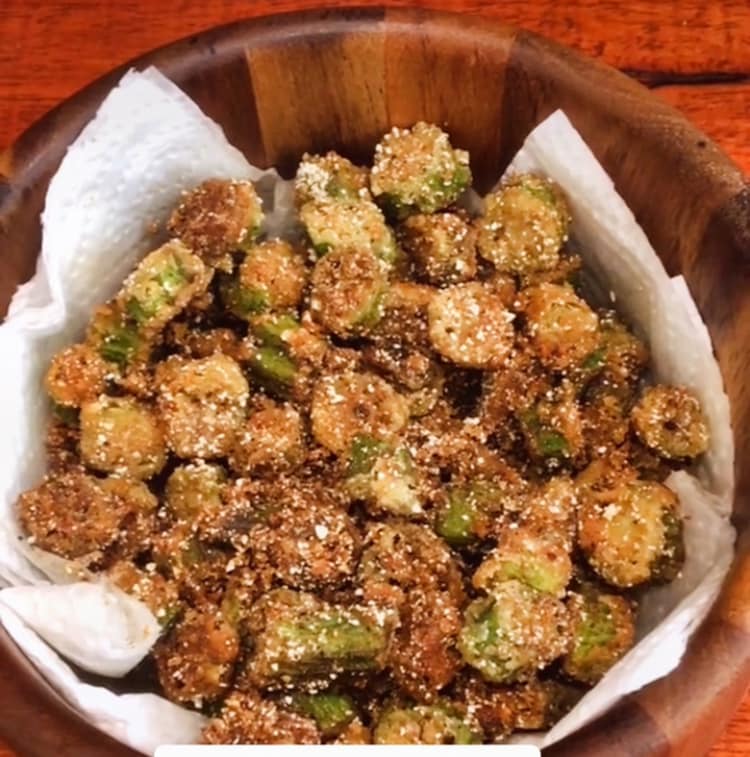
{"x":289,"y":84}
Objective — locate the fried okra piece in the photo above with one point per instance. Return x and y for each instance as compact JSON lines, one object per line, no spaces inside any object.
{"x":417,"y":170}
{"x":534,"y":558}
{"x":331,"y":711}
{"x":116,"y":337}
{"x":272,"y":276}
{"x":248,"y":718}
{"x":122,"y":435}
{"x":443,"y":723}
{"x":305,"y":540}
{"x":401,"y":557}
{"x":531,"y":706}
{"x":202,"y":404}
{"x":669,"y":420}
{"x":161,"y":286}
{"x":629,"y":530}
{"x":510,"y":635}
{"x":320,"y":178}
{"x":195,"y":660}
{"x":624,"y":356}
{"x":305,"y":638}
{"x":467,"y":513}
{"x":216,"y":218}
{"x":200,"y":568}
{"x":349,"y":225}
{"x":385,"y":478}
{"x":563,"y":329}
{"x":351,"y":405}
{"x":441,"y":246}
{"x":141,"y":524}
{"x":72,"y":515}
{"x":270,"y":442}
{"x":422,"y":658}
{"x":469,"y":326}
{"x":194,"y":490}
{"x":348,"y":286}
{"x":158,"y":593}
{"x":552,"y":427}
{"x":551,"y":508}
{"x":603,"y":630}
{"x":525,"y":223}
{"x":77,"y":374}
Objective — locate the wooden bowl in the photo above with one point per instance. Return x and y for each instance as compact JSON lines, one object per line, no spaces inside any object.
{"x":316,"y":80}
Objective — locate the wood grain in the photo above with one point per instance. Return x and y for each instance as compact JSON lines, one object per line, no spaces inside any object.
{"x":696,"y":54}
{"x":660,"y":41}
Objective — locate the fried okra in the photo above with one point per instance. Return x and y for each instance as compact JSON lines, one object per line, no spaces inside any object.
{"x":536,"y":559}
{"x":202,"y":404}
{"x":349,"y":225}
{"x":304,"y":638}
{"x":470,"y":326}
{"x":603,"y":629}
{"x":384,"y":478}
{"x":77,"y":374}
{"x":418,"y":171}
{"x":525,"y":223}
{"x":195,"y":660}
{"x":441,"y":246}
{"x":304,"y":539}
{"x":272,"y":276}
{"x":669,"y":421}
{"x":514,"y":632}
{"x":348,"y":286}
{"x":270,"y":442}
{"x":248,"y":718}
{"x":194,"y":490}
{"x":629,"y":529}
{"x":72,"y":515}
{"x":217,"y":218}
{"x":561,"y":326}
{"x":321,"y":178}
{"x":122,"y":435}
{"x":442,"y":723}
{"x":352,"y":405}
{"x":530,"y":706}
{"x":161,"y":286}
{"x":392,"y":476}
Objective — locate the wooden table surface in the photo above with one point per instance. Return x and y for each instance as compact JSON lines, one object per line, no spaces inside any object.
{"x":696,"y":55}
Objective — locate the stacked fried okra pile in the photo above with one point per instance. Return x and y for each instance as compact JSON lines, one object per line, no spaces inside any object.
{"x":389,"y":479}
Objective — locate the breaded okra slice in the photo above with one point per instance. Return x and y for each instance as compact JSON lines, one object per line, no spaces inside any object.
{"x":349,"y":224}
{"x":321,"y":178}
{"x":417,"y":170}
{"x":630,"y":530}
{"x":603,"y":630}
{"x":351,"y":405}
{"x":535,"y":558}
{"x":196,"y":658}
{"x":122,"y":435}
{"x":515,"y":632}
{"x":304,"y":638}
{"x":271,"y":277}
{"x":202,"y":404}
{"x":348,"y":287}
{"x":669,"y":420}
{"x":442,"y":723}
{"x":442,"y":247}
{"x":248,"y":718}
{"x":216,"y":218}
{"x":524,"y":225}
